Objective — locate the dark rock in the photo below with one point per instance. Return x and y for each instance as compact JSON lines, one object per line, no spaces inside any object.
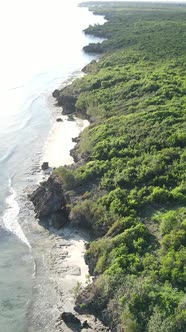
{"x":49,"y":198}
{"x":67,"y":102}
{"x":69,"y":107}
{"x":70,"y":118}
{"x":55,"y":93}
{"x":45,"y":166}
{"x":91,"y":261}
{"x":85,"y":325}
{"x":76,"y":139}
{"x":90,"y":302}
{"x":67,"y":99}
{"x":70,"y":318}
{"x":75,"y":155}
{"x":59,"y":120}
{"x":58,"y":219}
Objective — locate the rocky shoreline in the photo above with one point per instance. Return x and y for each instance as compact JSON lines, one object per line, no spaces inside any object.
{"x":69,"y":264}
{"x":67,"y":256}
{"x":50,"y":202}
{"x":70,"y":271}
{"x":127,"y":185}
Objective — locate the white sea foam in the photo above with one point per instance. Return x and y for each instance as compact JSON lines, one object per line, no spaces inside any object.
{"x":10,"y":217}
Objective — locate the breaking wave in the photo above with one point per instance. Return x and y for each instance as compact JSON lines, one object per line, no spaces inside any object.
{"x":10,"y":216}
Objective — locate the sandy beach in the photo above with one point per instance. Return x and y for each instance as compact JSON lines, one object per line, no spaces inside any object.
{"x":59,"y":143}
{"x":36,"y":60}
{"x":61,"y":270}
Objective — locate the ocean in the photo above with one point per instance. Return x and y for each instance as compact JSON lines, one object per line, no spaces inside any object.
{"x":41,"y":50}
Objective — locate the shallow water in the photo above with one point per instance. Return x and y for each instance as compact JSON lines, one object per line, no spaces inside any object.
{"x":41,"y":44}
{"x":16,"y":268}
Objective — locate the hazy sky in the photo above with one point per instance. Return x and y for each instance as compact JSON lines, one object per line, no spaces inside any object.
{"x":168,"y":1}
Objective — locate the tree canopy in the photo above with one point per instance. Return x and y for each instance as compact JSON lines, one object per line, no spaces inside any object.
{"x":132,"y":185}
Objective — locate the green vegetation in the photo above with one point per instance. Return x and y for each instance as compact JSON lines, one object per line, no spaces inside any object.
{"x":132,"y":187}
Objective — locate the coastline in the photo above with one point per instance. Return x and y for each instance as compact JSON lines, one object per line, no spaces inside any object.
{"x":111,"y":266}
{"x":25,"y":171}
{"x":65,"y":247}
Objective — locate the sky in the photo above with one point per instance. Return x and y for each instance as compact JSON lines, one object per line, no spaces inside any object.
{"x":168,"y":1}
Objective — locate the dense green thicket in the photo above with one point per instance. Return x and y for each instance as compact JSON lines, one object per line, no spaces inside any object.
{"x":133,"y":184}
{"x":137,"y":26}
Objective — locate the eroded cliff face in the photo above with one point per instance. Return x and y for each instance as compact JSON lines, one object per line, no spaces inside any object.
{"x":66,"y":99}
{"x":50,"y":201}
